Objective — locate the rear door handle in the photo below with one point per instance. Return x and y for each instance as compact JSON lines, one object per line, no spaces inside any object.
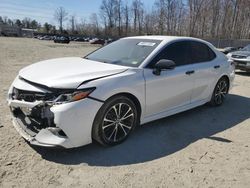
{"x":190,"y":72}
{"x":217,"y":66}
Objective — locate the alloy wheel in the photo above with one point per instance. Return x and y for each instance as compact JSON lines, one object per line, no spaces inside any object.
{"x":118,"y":122}
{"x":220,"y":92}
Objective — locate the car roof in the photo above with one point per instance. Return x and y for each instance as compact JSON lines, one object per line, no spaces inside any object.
{"x":166,"y":39}
{"x":154,"y":37}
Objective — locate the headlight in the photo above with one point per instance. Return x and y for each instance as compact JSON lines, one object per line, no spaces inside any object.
{"x":74,"y":96}
{"x":248,"y":57}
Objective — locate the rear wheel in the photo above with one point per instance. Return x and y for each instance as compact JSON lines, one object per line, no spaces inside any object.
{"x":220,"y":92}
{"x":115,"y":121}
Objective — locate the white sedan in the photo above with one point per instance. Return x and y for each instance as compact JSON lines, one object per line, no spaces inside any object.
{"x":69,"y":102}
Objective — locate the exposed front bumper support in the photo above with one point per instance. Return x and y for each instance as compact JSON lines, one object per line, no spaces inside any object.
{"x":24,"y":104}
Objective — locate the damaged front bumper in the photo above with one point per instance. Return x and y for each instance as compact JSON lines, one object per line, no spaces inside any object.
{"x":46,"y":124}
{"x":44,"y":138}
{"x":28,"y":121}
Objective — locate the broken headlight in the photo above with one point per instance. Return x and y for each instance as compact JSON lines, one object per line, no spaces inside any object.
{"x":74,"y":96}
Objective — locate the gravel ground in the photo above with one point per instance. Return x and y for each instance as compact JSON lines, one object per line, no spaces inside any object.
{"x":203,"y":147}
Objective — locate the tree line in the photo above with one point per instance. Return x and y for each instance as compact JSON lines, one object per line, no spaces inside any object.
{"x":229,"y":19}
{"x":24,"y":23}
{"x":28,"y":23}
{"x":224,"y":19}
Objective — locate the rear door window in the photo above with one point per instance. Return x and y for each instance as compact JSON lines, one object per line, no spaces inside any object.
{"x":201,"y":52}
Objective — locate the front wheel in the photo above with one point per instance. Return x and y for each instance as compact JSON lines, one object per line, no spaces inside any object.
{"x":220,"y":92}
{"x":115,"y":121}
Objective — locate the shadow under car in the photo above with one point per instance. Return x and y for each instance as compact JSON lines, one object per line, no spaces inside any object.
{"x":159,"y":138}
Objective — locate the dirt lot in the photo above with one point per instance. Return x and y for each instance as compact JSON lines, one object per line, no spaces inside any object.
{"x":204,"y":147}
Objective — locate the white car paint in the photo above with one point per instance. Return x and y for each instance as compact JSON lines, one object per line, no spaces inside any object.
{"x":70,"y":71}
{"x":171,"y":92}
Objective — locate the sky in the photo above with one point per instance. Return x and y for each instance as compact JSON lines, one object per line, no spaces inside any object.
{"x":43,"y":10}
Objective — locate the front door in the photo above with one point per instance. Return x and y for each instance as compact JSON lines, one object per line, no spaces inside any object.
{"x":169,"y":90}
{"x":172,"y":88}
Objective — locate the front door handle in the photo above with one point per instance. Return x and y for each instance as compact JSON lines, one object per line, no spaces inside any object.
{"x":217,"y":66}
{"x":190,"y":72}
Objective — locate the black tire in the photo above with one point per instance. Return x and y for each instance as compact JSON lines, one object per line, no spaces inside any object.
{"x":115,"y":120}
{"x":220,"y":92}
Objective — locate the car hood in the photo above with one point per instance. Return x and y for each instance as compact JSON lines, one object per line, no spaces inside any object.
{"x":68,"y":72}
{"x":244,"y":53}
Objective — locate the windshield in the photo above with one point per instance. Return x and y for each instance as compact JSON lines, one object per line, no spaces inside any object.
{"x":246,"y":48}
{"x":126,"y":52}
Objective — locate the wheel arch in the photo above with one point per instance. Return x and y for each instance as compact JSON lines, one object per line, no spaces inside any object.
{"x":133,"y":98}
{"x":216,"y":81}
{"x":227,"y":78}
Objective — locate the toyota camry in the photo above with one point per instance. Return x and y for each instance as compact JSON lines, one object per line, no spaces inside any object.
{"x":70,"y":102}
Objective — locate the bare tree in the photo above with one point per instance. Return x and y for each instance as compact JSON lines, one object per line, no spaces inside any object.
{"x":119,"y":16}
{"x":137,"y":9}
{"x":108,"y":9}
{"x":81,"y":27}
{"x":195,"y":10}
{"x":151,"y":23}
{"x":160,"y":6}
{"x":181,"y":28}
{"x":60,"y":16}
{"x":94,"y":24}
{"x":215,"y":10}
{"x":126,"y":16}
{"x":72,"y":21}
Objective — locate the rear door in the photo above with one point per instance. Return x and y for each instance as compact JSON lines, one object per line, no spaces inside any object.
{"x":206,"y":69}
{"x":172,"y":88}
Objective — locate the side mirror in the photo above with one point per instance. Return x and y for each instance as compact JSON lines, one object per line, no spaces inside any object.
{"x":163,"y":64}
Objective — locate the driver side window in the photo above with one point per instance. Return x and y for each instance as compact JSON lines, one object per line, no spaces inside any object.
{"x":179,"y":52}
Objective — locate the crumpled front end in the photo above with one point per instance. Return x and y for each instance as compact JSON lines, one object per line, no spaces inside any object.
{"x":42,"y":121}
